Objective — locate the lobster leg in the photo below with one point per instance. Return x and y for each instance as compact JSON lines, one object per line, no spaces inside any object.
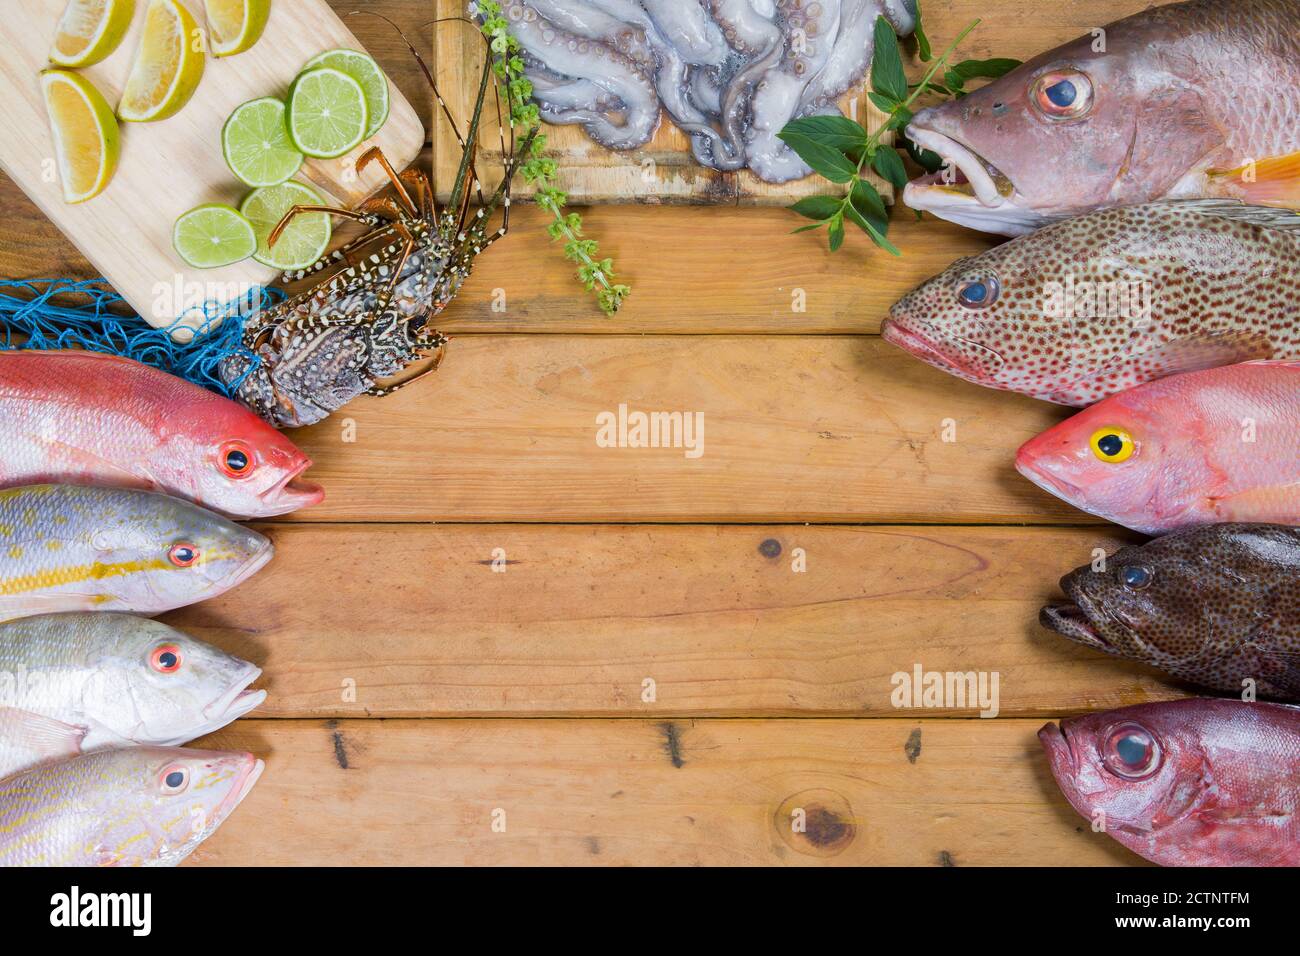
{"x":297,"y":211}
{"x":376,"y":155}
{"x":439,"y":343}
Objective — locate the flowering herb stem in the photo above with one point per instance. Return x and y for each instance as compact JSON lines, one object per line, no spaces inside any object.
{"x":539,"y":170}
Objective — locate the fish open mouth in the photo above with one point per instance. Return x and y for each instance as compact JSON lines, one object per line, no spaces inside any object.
{"x":895,"y":332}
{"x":237,"y":701}
{"x":291,"y":493}
{"x":1067,"y":619}
{"x":240,"y":790}
{"x":970,"y":191}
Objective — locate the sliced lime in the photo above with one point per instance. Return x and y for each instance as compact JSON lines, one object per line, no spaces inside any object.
{"x":213,"y":235}
{"x":256,"y":143}
{"x":365,"y":71}
{"x":303,"y":240}
{"x":327,"y":112}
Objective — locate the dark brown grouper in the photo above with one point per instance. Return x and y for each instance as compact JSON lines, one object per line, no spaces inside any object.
{"x":1218,"y":606}
{"x":1198,"y":99}
{"x":1086,"y":308}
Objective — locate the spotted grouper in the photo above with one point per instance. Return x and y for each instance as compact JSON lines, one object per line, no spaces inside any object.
{"x":1218,"y":606}
{"x":1198,"y":99}
{"x":1191,"y":782}
{"x":1084,"y":309}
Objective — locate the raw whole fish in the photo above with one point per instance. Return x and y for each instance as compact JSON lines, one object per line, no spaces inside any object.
{"x":143,"y":806}
{"x":69,"y":548}
{"x":1089,"y":307}
{"x":76,"y":683}
{"x":1192,"y":782}
{"x":90,"y":419}
{"x":1218,"y":606}
{"x":1189,"y":450}
{"x":1198,"y":99}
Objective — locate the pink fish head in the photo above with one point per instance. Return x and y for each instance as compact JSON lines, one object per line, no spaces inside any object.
{"x":234,"y":462}
{"x":1102,"y":120}
{"x":1133,"y":772}
{"x":1118,"y":460}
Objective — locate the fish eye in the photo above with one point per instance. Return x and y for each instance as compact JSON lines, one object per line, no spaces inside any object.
{"x":174,"y":779}
{"x":235,"y":460}
{"x":1112,"y":444}
{"x":165,"y":659}
{"x":1136,"y":577}
{"x":183,"y":554}
{"x":980,"y":293}
{"x":1062,"y":95}
{"x":1131,"y":752}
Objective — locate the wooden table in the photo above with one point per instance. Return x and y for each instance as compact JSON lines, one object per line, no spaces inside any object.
{"x":650,"y":680}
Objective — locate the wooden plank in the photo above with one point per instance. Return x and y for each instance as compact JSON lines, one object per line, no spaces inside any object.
{"x":646,"y":793}
{"x":127,"y":230}
{"x":821,"y":429}
{"x":661,"y":172}
{"x":413,"y":621}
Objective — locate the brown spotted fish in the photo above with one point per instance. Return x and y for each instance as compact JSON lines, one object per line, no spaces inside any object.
{"x":1086,"y":308}
{"x":1198,"y":99}
{"x":1218,"y":606}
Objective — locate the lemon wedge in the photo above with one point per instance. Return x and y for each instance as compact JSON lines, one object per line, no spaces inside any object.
{"x":236,"y":25}
{"x":90,"y":30}
{"x":168,"y":65}
{"x":86,"y":138}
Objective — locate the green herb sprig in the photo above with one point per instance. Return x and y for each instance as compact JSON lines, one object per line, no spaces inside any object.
{"x":539,"y":170}
{"x":841,"y":150}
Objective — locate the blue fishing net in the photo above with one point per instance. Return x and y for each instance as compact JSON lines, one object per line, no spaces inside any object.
{"x":30,"y":319}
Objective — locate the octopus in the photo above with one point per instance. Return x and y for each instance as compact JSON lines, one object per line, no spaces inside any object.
{"x":729,"y":73}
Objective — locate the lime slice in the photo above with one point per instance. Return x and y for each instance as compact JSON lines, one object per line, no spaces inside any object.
{"x":213,"y":235}
{"x":257,"y":145}
{"x":90,"y":30}
{"x":365,"y":71}
{"x":87,"y":142}
{"x":168,"y":65}
{"x":235,"y":25}
{"x":305,"y":239}
{"x":327,"y":112}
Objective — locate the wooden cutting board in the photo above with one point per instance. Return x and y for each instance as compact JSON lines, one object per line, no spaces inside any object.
{"x":173,"y":165}
{"x":662,"y":171}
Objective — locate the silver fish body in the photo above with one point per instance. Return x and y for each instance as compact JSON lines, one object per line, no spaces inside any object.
{"x":72,"y":548}
{"x":80,"y":682}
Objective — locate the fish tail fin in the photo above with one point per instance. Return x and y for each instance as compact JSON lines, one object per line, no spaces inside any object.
{"x":1274,"y":181}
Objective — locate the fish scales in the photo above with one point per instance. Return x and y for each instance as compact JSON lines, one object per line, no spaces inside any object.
{"x":74,"y":548}
{"x":1087,"y":308}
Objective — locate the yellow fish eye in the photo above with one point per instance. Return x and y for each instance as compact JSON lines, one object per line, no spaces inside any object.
{"x":1112,"y":444}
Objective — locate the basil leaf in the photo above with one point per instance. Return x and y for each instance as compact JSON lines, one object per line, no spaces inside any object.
{"x":922,"y":41}
{"x":826,"y":162}
{"x":885,"y":104}
{"x":816,"y":225}
{"x":875,"y":229}
{"x":984,"y":69}
{"x":820,"y":208}
{"x":890,"y":166}
{"x":838,"y":132}
{"x":887,"y":76}
{"x":837,"y":233}
{"x":866,"y":202}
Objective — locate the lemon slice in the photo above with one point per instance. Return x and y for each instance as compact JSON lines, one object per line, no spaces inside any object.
{"x":90,"y":30}
{"x":86,"y":138}
{"x":305,"y":238}
{"x":168,"y":65}
{"x":236,"y":25}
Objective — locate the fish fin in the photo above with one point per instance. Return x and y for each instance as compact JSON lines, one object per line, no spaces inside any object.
{"x":1280,"y":669}
{"x":43,"y":736}
{"x":1268,"y":217}
{"x":89,"y":462}
{"x":1270,"y":503}
{"x":1273,"y":181}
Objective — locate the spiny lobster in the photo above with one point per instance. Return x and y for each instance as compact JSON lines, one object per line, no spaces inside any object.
{"x":371,"y":319}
